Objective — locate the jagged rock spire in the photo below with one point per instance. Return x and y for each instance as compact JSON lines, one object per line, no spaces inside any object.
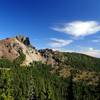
{"x":23,"y":39}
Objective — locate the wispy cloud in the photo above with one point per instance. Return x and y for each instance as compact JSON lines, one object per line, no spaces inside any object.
{"x":57,"y":43}
{"x":92,"y":52}
{"x":63,"y":50}
{"x":96,"y":40}
{"x":79,"y":28}
{"x":88,"y":51}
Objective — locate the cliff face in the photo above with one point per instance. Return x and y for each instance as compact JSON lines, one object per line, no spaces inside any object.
{"x":9,"y":48}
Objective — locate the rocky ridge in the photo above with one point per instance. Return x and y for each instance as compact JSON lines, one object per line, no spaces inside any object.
{"x":10,"y":47}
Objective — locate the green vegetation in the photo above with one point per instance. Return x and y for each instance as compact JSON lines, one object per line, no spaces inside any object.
{"x":78,"y":61}
{"x":20,"y":59}
{"x":36,"y":82}
{"x":5,"y":63}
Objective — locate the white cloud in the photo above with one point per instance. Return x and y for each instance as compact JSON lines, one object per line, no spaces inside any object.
{"x":79,"y":28}
{"x":88,"y":51}
{"x":92,"y":52}
{"x":96,"y":41}
{"x":62,"y":50}
{"x":56,"y":43}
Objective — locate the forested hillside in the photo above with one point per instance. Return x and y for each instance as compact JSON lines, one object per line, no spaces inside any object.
{"x":47,"y":75}
{"x":38,"y":82}
{"x":75,"y":60}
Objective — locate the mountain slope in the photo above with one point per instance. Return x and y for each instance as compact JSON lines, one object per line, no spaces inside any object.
{"x":10,"y":47}
{"x":46,"y":74}
{"x":75,"y":60}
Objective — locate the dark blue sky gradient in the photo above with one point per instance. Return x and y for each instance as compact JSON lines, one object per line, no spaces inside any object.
{"x":33,"y":18}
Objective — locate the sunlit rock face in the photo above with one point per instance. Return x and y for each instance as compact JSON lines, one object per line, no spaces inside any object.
{"x":9,"y":49}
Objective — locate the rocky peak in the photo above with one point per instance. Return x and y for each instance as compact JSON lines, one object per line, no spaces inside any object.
{"x":46,"y":51}
{"x":23,"y":39}
{"x":9,"y":48}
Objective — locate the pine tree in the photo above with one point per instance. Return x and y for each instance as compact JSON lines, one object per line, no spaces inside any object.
{"x":98,"y":90}
{"x":70,"y":91}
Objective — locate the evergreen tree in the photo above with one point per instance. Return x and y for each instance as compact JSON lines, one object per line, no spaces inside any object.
{"x":70,"y":90}
{"x":98,"y":90}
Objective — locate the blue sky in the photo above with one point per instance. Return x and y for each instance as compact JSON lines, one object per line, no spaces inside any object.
{"x":65,"y":25}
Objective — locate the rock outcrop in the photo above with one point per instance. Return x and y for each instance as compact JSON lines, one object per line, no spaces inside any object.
{"x":9,"y":48}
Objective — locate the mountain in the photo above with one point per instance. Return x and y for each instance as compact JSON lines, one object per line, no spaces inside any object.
{"x":10,"y":47}
{"x":30,"y":74}
{"x":75,"y":60}
{"x":83,"y":66}
{"x":61,"y":62}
